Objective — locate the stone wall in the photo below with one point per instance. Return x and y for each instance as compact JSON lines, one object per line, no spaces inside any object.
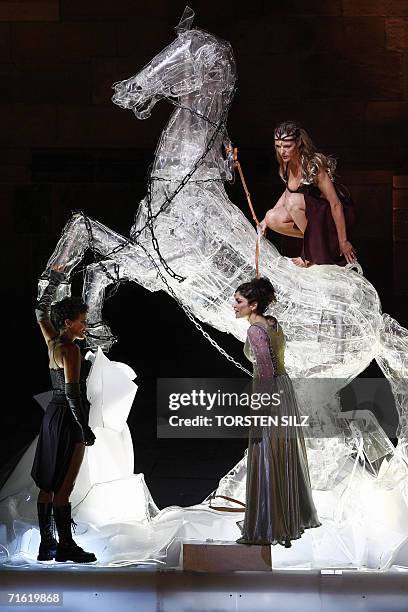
{"x":338,"y":66}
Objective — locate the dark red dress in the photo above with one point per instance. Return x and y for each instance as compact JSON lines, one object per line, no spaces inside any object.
{"x":320,"y":242}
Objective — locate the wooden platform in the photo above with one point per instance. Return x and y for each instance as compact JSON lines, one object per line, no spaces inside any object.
{"x":225,"y":557}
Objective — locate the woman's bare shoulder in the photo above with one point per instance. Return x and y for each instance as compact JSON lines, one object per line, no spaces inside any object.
{"x":66,"y":351}
{"x":70,"y":349}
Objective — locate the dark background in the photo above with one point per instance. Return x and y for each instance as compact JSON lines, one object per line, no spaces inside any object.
{"x":338,"y":66}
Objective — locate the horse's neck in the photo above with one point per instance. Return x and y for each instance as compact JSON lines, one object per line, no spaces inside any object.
{"x":187,"y":137}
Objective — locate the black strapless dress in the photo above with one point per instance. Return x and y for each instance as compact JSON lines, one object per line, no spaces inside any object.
{"x":58,"y":434}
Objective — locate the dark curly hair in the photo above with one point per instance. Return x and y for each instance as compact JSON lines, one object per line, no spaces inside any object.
{"x":258,"y":290}
{"x":68,"y":308}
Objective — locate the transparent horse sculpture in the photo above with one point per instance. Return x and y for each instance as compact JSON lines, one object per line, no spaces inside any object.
{"x":191,"y":241}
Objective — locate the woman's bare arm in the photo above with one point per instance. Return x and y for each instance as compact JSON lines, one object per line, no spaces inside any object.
{"x":48,"y":330}
{"x":71,"y":358}
{"x":43,"y":307}
{"x":328,"y":191}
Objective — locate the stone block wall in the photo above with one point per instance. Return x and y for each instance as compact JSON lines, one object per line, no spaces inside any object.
{"x":338,"y":66}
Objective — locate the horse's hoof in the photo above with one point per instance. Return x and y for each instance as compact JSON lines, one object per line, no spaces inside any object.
{"x":63,"y":289}
{"x":99,"y":335}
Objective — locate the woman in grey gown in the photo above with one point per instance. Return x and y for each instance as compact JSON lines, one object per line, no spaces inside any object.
{"x":279,"y":502}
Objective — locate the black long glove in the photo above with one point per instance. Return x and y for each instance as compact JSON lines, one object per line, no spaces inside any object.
{"x":43,"y":307}
{"x":73,"y":395}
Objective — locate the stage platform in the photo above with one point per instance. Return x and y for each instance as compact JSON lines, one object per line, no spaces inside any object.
{"x":147,"y":589}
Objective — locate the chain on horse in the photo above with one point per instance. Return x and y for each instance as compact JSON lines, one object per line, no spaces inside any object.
{"x":149,"y":225}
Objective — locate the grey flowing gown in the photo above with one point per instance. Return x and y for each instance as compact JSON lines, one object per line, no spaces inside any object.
{"x":279,"y":502}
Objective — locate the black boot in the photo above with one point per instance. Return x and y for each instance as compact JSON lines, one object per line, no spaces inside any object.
{"x":67,"y":549}
{"x":48,"y":545}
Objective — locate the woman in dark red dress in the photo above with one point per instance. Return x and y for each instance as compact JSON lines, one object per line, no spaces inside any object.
{"x":313,"y":206}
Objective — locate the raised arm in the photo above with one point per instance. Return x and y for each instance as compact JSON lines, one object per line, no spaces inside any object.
{"x":328,"y":191}
{"x":259,"y":342}
{"x":43,"y":307}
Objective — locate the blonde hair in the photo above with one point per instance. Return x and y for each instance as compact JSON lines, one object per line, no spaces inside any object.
{"x":310,"y":159}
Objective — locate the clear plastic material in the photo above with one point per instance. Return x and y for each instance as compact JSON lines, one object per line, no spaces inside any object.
{"x":331,"y":316}
{"x":363,"y":511}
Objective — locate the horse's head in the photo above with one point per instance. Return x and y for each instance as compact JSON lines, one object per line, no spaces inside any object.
{"x":195,"y":59}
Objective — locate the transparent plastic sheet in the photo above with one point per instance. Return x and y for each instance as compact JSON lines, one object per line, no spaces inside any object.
{"x":203,"y":247}
{"x":190,"y":240}
{"x":362,"y":509}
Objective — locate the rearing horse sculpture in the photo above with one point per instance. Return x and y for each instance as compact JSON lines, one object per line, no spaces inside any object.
{"x":189,"y":239}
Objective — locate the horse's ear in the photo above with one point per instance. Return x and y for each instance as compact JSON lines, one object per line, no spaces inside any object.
{"x":186,"y":21}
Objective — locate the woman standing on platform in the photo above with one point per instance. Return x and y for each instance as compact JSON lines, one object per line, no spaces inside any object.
{"x":279,"y":503}
{"x":64,"y":430}
{"x":313,"y":206}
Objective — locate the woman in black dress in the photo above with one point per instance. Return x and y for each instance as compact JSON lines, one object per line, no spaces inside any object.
{"x":64,"y":430}
{"x":313,"y":206}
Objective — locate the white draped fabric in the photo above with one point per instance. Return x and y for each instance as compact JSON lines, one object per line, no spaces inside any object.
{"x":364,"y":517}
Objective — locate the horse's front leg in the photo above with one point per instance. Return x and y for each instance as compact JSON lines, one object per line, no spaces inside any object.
{"x":80,"y":234}
{"x":67,"y":254}
{"x":128,"y":263}
{"x":98,"y":277}
{"x":71,"y":246}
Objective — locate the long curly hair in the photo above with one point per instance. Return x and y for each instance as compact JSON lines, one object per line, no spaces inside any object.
{"x":311,"y":160}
